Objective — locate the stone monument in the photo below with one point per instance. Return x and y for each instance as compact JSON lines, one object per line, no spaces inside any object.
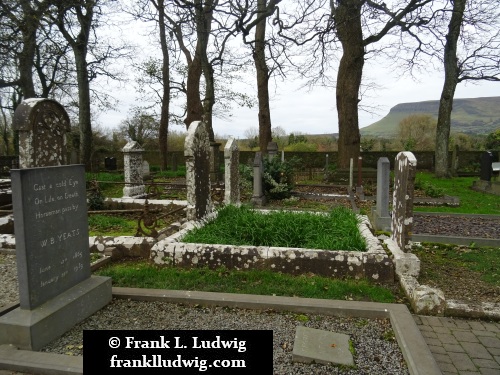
{"x":231,"y":173}
{"x":380,"y":214}
{"x":197,"y":153}
{"x":133,"y":170}
{"x":56,"y":288}
{"x":42,"y":125}
{"x":405,"y":168}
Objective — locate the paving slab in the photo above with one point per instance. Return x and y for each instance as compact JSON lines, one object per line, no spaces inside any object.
{"x":318,"y":346}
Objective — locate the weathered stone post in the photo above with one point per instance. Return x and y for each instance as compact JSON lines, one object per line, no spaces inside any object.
{"x":197,"y":153}
{"x":231,"y":173}
{"x":402,"y":201}
{"x":214,"y":162}
{"x":42,"y":125}
{"x":380,"y":214}
{"x":132,"y":165}
{"x":272,"y":150}
{"x":258,"y":197}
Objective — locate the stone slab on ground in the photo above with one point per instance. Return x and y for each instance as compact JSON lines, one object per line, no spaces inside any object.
{"x":317,"y":346}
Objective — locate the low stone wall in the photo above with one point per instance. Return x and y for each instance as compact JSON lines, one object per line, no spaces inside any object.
{"x":374,"y":264}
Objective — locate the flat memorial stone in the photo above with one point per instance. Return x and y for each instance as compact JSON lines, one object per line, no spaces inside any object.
{"x":318,"y":346}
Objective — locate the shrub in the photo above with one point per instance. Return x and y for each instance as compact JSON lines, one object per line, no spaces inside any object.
{"x":279,"y":177}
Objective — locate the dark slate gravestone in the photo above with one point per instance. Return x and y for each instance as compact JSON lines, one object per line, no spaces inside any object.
{"x":486,"y":162}
{"x":56,"y":289}
{"x":51,"y":226}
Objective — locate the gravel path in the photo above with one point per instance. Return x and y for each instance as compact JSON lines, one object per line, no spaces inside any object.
{"x":376,"y":350}
{"x":451,"y":225}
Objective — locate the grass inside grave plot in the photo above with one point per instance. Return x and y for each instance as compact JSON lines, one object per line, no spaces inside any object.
{"x":336,"y":230}
{"x":142,"y":274}
{"x":108,"y":225}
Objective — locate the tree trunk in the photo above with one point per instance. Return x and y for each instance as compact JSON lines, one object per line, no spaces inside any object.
{"x":203,"y":20}
{"x":259,"y":57}
{"x":85,"y":13}
{"x":208,"y":72}
{"x":84,"y":116}
{"x":29,"y":26}
{"x":165,"y":100}
{"x":349,"y":31}
{"x":451,"y":74}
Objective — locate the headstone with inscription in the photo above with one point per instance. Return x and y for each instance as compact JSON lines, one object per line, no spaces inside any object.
{"x":197,"y":153}
{"x":42,"y":125}
{"x":56,"y":289}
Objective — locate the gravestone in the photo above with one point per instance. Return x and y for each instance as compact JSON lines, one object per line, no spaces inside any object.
{"x":405,"y":167}
{"x":110,"y":163}
{"x":380,"y":214}
{"x":258,"y":198}
{"x":42,"y":125}
{"x":231,"y":173}
{"x":145,"y":169}
{"x":272,"y":150}
{"x":197,"y":153}
{"x":486,"y":162}
{"x":56,"y":289}
{"x":133,"y":172}
{"x":214,"y":162}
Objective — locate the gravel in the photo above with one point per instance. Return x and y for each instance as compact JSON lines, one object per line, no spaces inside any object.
{"x":376,"y":350}
{"x":461,"y":226}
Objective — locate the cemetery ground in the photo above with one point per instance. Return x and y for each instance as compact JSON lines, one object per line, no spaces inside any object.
{"x":463,"y":272}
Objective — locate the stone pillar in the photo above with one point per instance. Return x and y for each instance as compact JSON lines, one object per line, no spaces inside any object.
{"x":214,"y":162}
{"x":232,"y":173}
{"x":258,"y":198}
{"x":132,"y":168}
{"x":272,"y":150}
{"x":405,"y":167}
{"x":42,"y":125}
{"x":197,"y":153}
{"x":380,"y":214}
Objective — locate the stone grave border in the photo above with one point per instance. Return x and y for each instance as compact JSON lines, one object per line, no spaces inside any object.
{"x":374,"y":263}
{"x":416,"y":353}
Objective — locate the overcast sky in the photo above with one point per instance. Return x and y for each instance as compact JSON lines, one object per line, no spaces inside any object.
{"x":309,"y":111}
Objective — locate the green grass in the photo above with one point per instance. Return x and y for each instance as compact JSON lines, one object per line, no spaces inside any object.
{"x":111,"y":189}
{"x":336,"y":230}
{"x":484,"y":260}
{"x":105,"y":225}
{"x":141,"y":274}
{"x":471,"y":201}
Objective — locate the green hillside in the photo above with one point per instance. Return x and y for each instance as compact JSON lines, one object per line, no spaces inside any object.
{"x":471,"y":116}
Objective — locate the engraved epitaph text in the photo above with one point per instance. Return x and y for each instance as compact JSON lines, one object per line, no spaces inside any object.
{"x":51,"y":227}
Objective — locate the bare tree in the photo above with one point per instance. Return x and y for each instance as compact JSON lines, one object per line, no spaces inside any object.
{"x":476,"y":25}
{"x":356,"y":30}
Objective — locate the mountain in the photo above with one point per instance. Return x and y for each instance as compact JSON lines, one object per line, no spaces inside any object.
{"x":471,"y":116}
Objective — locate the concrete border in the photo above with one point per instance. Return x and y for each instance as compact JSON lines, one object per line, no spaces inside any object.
{"x":418,"y":357}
